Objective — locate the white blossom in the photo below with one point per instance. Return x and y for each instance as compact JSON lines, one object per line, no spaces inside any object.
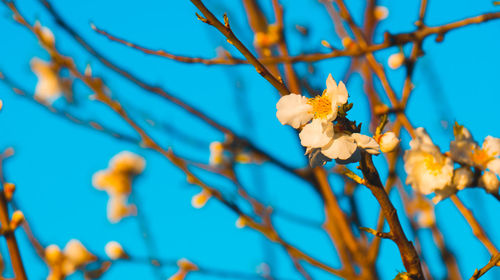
{"x":48,"y":87}
{"x":114,"y":250}
{"x":465,"y":150}
{"x":428,"y":170}
{"x":367,"y":143}
{"x":388,"y":142}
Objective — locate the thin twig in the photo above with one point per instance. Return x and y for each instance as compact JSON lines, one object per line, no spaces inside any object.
{"x":226,"y":30}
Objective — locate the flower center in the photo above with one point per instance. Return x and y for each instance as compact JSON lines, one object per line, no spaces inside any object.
{"x":481,"y":157}
{"x":433,"y":165}
{"x":321,"y":106}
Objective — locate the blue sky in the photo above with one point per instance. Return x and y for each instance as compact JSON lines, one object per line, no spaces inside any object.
{"x":55,"y":159}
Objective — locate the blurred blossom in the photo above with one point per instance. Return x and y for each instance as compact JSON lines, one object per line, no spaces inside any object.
{"x":116,"y":180}
{"x":17,"y":219}
{"x":216,"y":154}
{"x":185,"y":266}
{"x":128,"y":163}
{"x":396,"y":60}
{"x":381,"y":13}
{"x":115,"y":251}
{"x":118,"y":208}
{"x":428,"y":170}
{"x":489,"y":181}
{"x":462,"y":177}
{"x":240,"y":222}
{"x":45,"y":34}
{"x":465,"y":150}
{"x":425,"y":211}
{"x":271,"y":37}
{"x":61,"y":264}
{"x":347,"y":42}
{"x":199,"y":200}
{"x":48,"y":88}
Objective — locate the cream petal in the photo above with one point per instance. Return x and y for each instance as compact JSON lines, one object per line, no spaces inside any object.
{"x":367,"y":143}
{"x":341,"y":95}
{"x":494,"y":166}
{"x":341,"y":147}
{"x":316,"y":134}
{"x":293,"y":110}
{"x":492,"y":145}
{"x":422,"y":141}
{"x":331,"y":86}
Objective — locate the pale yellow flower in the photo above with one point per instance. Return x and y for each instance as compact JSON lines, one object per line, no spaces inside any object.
{"x":49,"y":86}
{"x":466,"y":151}
{"x":428,"y":170}
{"x":118,"y":208}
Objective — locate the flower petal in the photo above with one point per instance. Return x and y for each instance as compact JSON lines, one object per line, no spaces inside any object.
{"x":340,"y":98}
{"x":316,"y":134}
{"x":494,"y":166}
{"x":367,"y":143}
{"x":492,"y":145}
{"x":331,"y":86}
{"x":293,"y":110}
{"x":342,"y":147}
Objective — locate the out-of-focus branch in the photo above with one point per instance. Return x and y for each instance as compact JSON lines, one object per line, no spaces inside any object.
{"x":163,"y":93}
{"x":8,"y":233}
{"x":290,"y":74}
{"x":390,"y":41}
{"x":90,"y":124}
{"x":477,"y":229}
{"x":226,"y":30}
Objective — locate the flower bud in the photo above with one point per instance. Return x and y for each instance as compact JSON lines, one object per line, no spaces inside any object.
{"x":388,"y":142}
{"x":186,"y":265}
{"x":381,"y":13}
{"x":17,"y":219}
{"x":489,"y":182}
{"x":53,"y":254}
{"x":115,"y":251}
{"x":347,"y":42}
{"x":462,"y":177}
{"x":8,"y":190}
{"x":240,"y":222}
{"x":216,"y":153}
{"x":396,"y":60}
{"x":199,"y":200}
{"x":46,"y":35}
{"x":77,"y":254}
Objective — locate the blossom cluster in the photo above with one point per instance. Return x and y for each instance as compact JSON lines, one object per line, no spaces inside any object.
{"x":64,"y":263}
{"x":116,"y":180}
{"x":430,"y":171}
{"x":321,"y":131}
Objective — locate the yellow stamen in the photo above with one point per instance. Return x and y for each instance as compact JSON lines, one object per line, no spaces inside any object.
{"x":433,"y":165}
{"x":321,"y":106}
{"x":481,"y":157}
